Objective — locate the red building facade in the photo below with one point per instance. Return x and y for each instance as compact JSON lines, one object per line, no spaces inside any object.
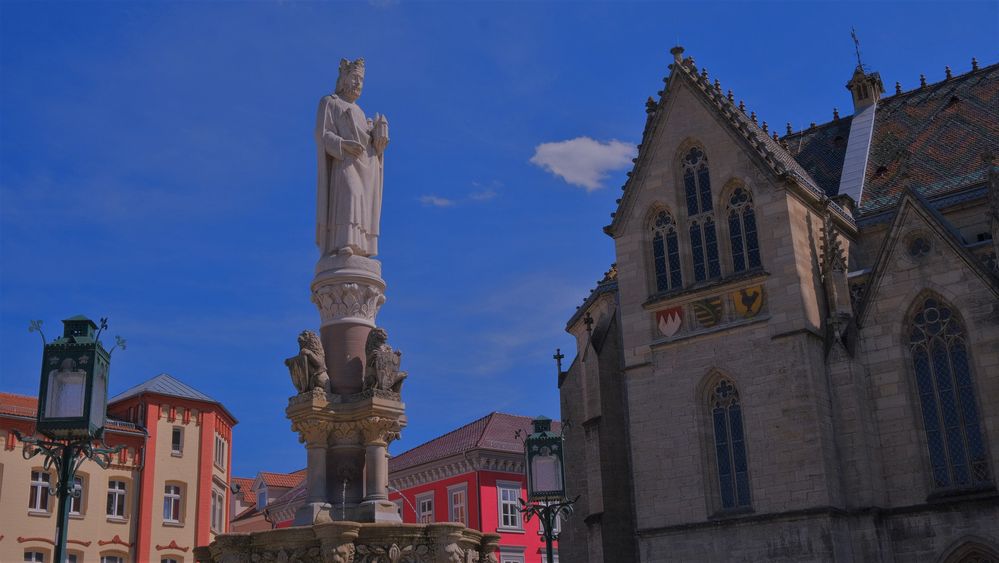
{"x":473,"y":475}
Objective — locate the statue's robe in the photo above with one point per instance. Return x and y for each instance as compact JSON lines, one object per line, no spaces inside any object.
{"x":349,"y":198}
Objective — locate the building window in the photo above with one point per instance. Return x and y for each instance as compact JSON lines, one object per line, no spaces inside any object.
{"x":168,"y":560}
{"x":76,"y":499}
{"x":509,"y":509}
{"x":177,"y":441}
{"x":703,"y":238}
{"x":458,"y":500}
{"x":425,"y":508}
{"x":666,"y":252}
{"x":942,"y":367}
{"x":38,"y":498}
{"x":171,"y":503}
{"x":262,"y":496}
{"x":220,"y":447}
{"x":742,"y":231}
{"x":116,"y":499}
{"x":218,"y":510}
{"x":511,"y":554}
{"x":398,"y":507}
{"x":72,"y":557}
{"x":730,"y":448}
{"x":112,"y":559}
{"x":34,"y":556}
{"x":557,"y":528}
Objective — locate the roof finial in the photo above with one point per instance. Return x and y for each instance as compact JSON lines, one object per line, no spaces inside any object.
{"x":922,"y":81}
{"x":717,"y":85}
{"x":947,"y":72}
{"x":898,"y":87}
{"x":677,"y":52}
{"x":752,"y":116}
{"x":742,"y":106}
{"x":974,"y":64}
{"x":731,"y":96}
{"x":765,"y":127}
{"x":789,"y":130}
{"x":835,"y":113}
{"x":856,"y":46}
{"x":775,"y":136}
{"x":704,"y":73}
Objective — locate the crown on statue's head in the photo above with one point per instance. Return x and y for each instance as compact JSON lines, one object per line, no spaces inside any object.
{"x":347,"y":67}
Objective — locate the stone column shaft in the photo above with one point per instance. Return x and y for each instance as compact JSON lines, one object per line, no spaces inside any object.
{"x":376,"y":474}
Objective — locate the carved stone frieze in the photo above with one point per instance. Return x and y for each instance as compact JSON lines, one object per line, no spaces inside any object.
{"x":343,"y":553}
{"x":345,"y":432}
{"x":393,"y":554}
{"x":348,"y":301}
{"x":312,"y":431}
{"x":300,"y":555}
{"x":313,"y":396}
{"x":457,"y":554}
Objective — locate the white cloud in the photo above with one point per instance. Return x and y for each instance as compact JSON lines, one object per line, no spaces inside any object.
{"x":436,"y":201}
{"x":484,"y":192}
{"x":583,"y":161}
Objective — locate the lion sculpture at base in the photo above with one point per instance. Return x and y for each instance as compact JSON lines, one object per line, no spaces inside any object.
{"x":382,"y":368}
{"x":308,"y":368}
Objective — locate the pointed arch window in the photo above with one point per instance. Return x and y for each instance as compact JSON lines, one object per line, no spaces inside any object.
{"x":730,"y":446}
{"x":666,"y":252}
{"x":742,"y":231}
{"x":942,"y":366}
{"x":703,"y":238}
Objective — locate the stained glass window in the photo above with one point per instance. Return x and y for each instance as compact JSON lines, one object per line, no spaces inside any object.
{"x":742,"y":231}
{"x":666,"y":252}
{"x":730,"y":447}
{"x":703,"y":240}
{"x":947,"y":396}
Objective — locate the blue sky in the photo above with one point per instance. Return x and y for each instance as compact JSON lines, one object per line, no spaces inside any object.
{"x":157,"y":167}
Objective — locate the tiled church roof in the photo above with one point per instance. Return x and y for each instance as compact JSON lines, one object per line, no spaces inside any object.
{"x":495,"y":431}
{"x":932,"y":138}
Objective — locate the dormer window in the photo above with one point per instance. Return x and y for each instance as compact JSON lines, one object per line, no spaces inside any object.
{"x":262,"y":497}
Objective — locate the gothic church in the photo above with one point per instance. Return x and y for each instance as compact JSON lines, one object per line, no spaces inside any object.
{"x":796,"y":354}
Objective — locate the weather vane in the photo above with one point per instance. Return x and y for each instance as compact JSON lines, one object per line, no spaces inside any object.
{"x":856,"y":45}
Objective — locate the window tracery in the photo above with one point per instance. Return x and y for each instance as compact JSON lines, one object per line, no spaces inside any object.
{"x":666,"y":252}
{"x":942,"y":367}
{"x":703,"y":237}
{"x":742,"y":231}
{"x":730,"y":447}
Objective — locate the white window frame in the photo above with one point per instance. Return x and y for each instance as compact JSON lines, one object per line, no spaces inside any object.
{"x":177,"y":447}
{"x":511,"y":554}
{"x":38,"y":499}
{"x":76,"y":502}
{"x":112,"y":559}
{"x":453,"y":490}
{"x":117,"y":498}
{"x":174,"y":499}
{"x":33,"y":556}
{"x":220,"y":447}
{"x":509,"y":487}
{"x":425,"y":516}
{"x":218,"y":510}
{"x":169,"y":560}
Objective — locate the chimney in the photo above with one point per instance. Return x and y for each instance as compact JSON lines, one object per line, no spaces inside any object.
{"x":866,"y":89}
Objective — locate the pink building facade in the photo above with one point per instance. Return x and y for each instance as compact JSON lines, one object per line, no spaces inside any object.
{"x":473,"y":475}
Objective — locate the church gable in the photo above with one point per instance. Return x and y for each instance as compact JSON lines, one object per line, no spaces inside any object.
{"x":922,"y":252}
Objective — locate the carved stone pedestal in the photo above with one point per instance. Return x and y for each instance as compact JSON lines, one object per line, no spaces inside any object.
{"x":354,"y":542}
{"x":347,"y":437}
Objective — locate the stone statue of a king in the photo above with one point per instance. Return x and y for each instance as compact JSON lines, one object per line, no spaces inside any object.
{"x":351,"y":149}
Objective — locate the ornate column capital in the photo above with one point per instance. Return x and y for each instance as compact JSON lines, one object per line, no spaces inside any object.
{"x":379,"y":430}
{"x":312,"y":431}
{"x":352,"y":301}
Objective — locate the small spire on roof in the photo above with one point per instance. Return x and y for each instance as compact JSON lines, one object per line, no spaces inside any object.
{"x":704,"y":73}
{"x":789,"y":130}
{"x":947,"y":72}
{"x":742,"y":106}
{"x":690,"y":63}
{"x":752,"y":116}
{"x":922,"y":81}
{"x":811,"y":125}
{"x":731,"y":97}
{"x":717,"y":85}
{"x":650,"y":105}
{"x":775,"y":136}
{"x":765,"y":128}
{"x":677,"y":53}
{"x":835,"y":113}
{"x":898,"y":87}
{"x":974,"y":64}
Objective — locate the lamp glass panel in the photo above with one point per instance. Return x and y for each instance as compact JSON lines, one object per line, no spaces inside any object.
{"x":546,"y":471}
{"x":66,"y":390}
{"x":98,"y":395}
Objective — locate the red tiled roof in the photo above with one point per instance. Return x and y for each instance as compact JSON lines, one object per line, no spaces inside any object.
{"x":931,"y":138}
{"x":245,"y":487}
{"x":282,"y":480}
{"x":495,"y":431}
{"x":27,"y":406}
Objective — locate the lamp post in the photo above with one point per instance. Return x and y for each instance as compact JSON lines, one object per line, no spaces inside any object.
{"x":72,"y":407}
{"x":543,"y":450}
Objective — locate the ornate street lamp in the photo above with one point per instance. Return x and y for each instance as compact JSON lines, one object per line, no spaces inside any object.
{"x":72,"y":407}
{"x":546,"y":498}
